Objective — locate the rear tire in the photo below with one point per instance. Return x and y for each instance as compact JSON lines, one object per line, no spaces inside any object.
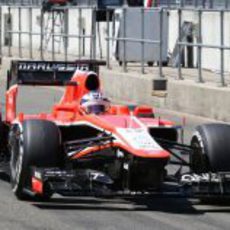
{"x":34,"y":143}
{"x":212,"y":148}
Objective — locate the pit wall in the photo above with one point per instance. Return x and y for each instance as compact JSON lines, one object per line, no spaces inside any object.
{"x":182,"y":96}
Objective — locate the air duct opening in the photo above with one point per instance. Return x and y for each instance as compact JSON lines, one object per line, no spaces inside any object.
{"x":92,"y":82}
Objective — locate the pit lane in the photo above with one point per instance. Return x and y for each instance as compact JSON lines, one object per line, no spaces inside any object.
{"x":106,"y":214}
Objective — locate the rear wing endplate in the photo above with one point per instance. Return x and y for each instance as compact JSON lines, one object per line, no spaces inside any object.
{"x":47,"y":72}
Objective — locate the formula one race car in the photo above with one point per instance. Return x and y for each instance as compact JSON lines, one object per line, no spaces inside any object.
{"x":87,"y":146}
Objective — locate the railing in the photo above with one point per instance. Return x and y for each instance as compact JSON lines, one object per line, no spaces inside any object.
{"x":21,"y":2}
{"x":141,"y":40}
{"x":200,"y":45}
{"x":39,"y":2}
{"x":208,"y":4}
{"x":32,"y":38}
{"x":31,"y":34}
{"x":48,"y":36}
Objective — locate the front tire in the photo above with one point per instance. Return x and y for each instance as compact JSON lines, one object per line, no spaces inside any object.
{"x":211,"y":148}
{"x":33,"y":143}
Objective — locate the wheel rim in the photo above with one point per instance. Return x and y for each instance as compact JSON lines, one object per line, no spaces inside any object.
{"x":16,"y":161}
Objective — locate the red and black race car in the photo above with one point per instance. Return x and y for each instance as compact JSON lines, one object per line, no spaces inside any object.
{"x":87,"y":146}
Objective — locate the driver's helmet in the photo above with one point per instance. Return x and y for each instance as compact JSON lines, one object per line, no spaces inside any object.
{"x":94,"y":103}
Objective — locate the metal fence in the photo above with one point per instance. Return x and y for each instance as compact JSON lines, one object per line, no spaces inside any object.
{"x":19,"y":34}
{"x":24,"y":36}
{"x":210,"y":4}
{"x":200,"y":46}
{"x":21,"y":2}
{"x":145,"y":43}
{"x":39,"y":2}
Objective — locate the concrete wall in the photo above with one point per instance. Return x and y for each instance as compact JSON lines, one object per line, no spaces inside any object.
{"x":199,"y":99}
{"x":126,"y":87}
{"x":186,"y":96}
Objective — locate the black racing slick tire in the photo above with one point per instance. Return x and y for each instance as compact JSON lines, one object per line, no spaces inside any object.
{"x":32,"y":143}
{"x":211,"y":148}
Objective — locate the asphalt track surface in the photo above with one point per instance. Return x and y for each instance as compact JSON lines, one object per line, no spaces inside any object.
{"x":160,"y":213}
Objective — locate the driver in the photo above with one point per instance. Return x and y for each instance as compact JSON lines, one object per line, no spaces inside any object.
{"x":94,"y":103}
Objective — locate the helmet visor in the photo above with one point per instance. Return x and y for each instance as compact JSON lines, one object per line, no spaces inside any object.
{"x":96,"y":109}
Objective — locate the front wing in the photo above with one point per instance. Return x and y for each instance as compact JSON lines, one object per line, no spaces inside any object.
{"x":87,"y":182}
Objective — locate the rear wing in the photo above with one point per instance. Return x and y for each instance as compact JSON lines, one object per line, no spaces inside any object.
{"x":47,"y":72}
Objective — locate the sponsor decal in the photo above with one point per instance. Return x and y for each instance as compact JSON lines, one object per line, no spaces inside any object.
{"x":139,"y":138}
{"x":49,"y":66}
{"x":197,"y":178}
